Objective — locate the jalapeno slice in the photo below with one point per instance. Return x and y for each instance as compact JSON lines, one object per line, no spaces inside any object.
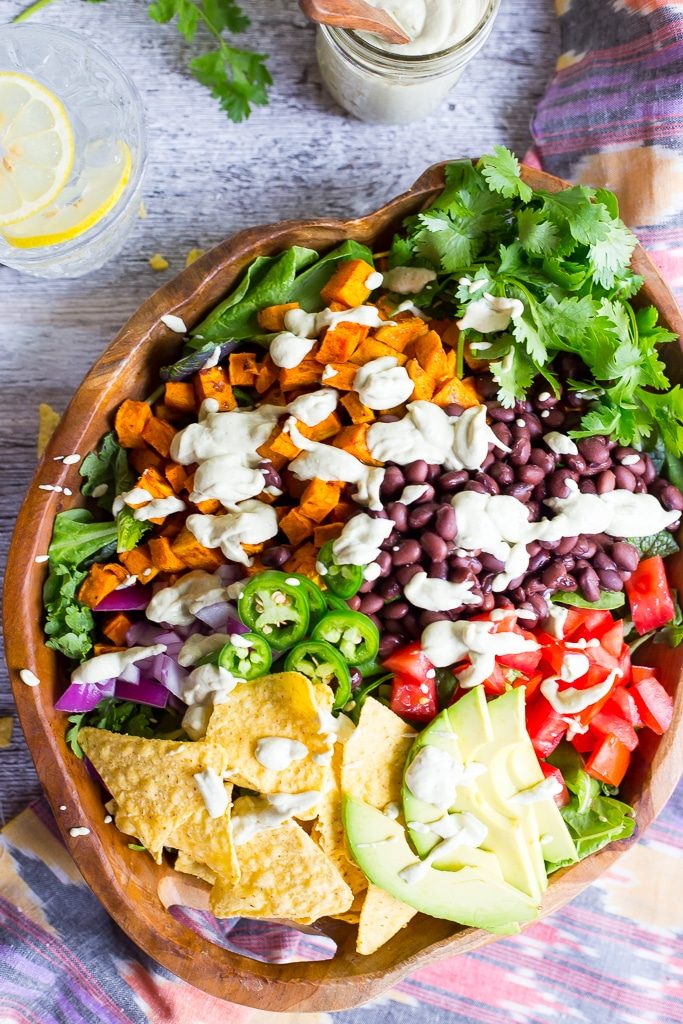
{"x":342,"y":580}
{"x":247,"y":656}
{"x":322,"y":664}
{"x":274,"y":608}
{"x":317,"y":605}
{"x":353,"y":634}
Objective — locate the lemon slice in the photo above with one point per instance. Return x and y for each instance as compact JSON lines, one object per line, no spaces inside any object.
{"x":36,"y":147}
{"x":78,"y":208}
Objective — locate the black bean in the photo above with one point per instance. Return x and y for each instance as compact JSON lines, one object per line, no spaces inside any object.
{"x":393,"y":626}
{"x":427,"y":495}
{"x":539,"y":605}
{"x":393,"y":482}
{"x":671,"y":498}
{"x":391,"y":541}
{"x":426,"y":618}
{"x":271,"y":475}
{"x":276,"y":557}
{"x":589,"y":583}
{"x":410,"y":625}
{"x":587,"y":486}
{"x":490,"y":563}
{"x":534,"y":586}
{"x":625,"y":479}
{"x":419,"y":516}
{"x":500,"y":415}
{"x":502,"y":473}
{"x":366,"y":587}
{"x":539,"y":561}
{"x":521,"y":450}
{"x":453,"y":409}
{"x":605,"y":482}
{"x":394,"y":611}
{"x":445,"y":522}
{"x":584,"y":548}
{"x":384,"y":562}
{"x":530,"y":475}
{"x":488,"y":603}
{"x":435,"y":546}
{"x":593,"y":449}
{"x":405,"y":574}
{"x":488,"y":483}
{"x":610,"y":579}
{"x":641,"y":486}
{"x":650,"y":472}
{"x":371,"y":603}
{"x":416,"y":472}
{"x":520,"y":491}
{"x":518,"y":595}
{"x":408,"y":552}
{"x":461,"y":575}
{"x":489,"y":460}
{"x":388,"y":644}
{"x":557,"y":483}
{"x":533,"y":510}
{"x":468,"y":563}
{"x":575,"y":462}
{"x":354,"y":603}
{"x":555,"y":576}
{"x":487,"y":387}
{"x":625,"y":555}
{"x":503,"y":433}
{"x":433,"y":471}
{"x":378,"y":513}
{"x":398,"y":512}
{"x":438,"y":570}
{"x":502,"y":601}
{"x":373,"y":618}
{"x":388,"y":418}
{"x":554,"y":418}
{"x":602,"y":560}
{"x":389,"y":589}
{"x":452,"y":480}
{"x":544,"y":460}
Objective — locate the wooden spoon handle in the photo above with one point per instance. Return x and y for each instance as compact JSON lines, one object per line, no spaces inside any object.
{"x":354,"y":14}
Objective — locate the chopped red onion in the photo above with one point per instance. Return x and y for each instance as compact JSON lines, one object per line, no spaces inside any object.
{"x":216,"y":615}
{"x":80,"y":697}
{"x":147,"y":691}
{"x":130,"y":599}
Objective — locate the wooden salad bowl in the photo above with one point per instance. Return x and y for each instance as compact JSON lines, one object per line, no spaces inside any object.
{"x":127,"y":882}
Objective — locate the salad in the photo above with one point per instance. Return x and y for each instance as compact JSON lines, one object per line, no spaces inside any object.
{"x":355,"y":604}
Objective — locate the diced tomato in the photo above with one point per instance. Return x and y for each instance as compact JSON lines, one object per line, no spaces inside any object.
{"x":649,"y":595}
{"x":545,"y":727}
{"x":531,"y":683}
{"x":410,"y":661}
{"x":655,"y":705}
{"x":595,"y":675}
{"x":610,"y":720}
{"x":495,"y":683}
{"x":626,"y":703}
{"x":587,"y":623}
{"x":609,"y":761}
{"x":585,"y":742}
{"x":413,"y":699}
{"x":625,"y":664}
{"x":550,"y":771}
{"x":612,"y":640}
{"x":526,"y":662}
{"x":640,"y":672}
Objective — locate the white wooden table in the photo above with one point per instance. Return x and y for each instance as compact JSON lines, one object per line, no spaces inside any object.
{"x":207,"y":178}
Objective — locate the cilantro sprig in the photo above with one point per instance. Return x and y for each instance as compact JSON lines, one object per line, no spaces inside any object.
{"x":237,"y":78}
{"x":566,"y":257}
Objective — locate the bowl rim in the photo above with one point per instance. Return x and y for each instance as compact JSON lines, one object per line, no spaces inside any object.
{"x":206,"y":965}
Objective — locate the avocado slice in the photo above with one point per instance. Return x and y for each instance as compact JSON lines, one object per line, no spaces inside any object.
{"x":471,"y":895}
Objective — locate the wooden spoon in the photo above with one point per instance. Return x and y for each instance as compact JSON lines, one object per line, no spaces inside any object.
{"x":354,"y":14}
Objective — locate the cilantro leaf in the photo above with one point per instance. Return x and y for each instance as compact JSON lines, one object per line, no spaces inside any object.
{"x":513,"y":374}
{"x":501,"y":171}
{"x":587,"y":221}
{"x":236,"y":78}
{"x":69,"y":625}
{"x":537,"y":235}
{"x":611,"y":255}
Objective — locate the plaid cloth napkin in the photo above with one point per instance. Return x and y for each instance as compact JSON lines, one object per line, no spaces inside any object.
{"x":611,"y":117}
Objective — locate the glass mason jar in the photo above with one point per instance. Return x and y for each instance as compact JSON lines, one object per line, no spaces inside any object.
{"x":385,"y":87}
{"x":107,"y":118}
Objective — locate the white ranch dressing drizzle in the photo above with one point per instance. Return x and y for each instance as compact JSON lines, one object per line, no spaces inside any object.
{"x":213,"y":792}
{"x":434,"y":776}
{"x":374,"y":280}
{"x":438,"y":595}
{"x":490,"y":313}
{"x":360,"y":540}
{"x":560,"y":443}
{"x":197,"y":647}
{"x":110,"y":666}
{"x":287,"y":350}
{"x":174,"y":323}
{"x":132,"y":498}
{"x":159,"y":508}
{"x":291,"y":346}
{"x":412,"y":493}
{"x":571,"y":701}
{"x":314,"y":407}
{"x":252,"y":815}
{"x":446,"y":643}
{"x":471,"y":833}
{"x":382,"y":383}
{"x":252,"y":522}
{"x":427,"y":432}
{"x":195,"y":721}
{"x":279,"y":752}
{"x":555,"y":620}
{"x":546,"y":789}
{"x":433,"y":25}
{"x":228,"y":479}
{"x":29,"y":678}
{"x":408,"y":280}
{"x":573,"y":667}
{"x":178,"y":603}
{"x":208,"y":684}
{"x":325,"y":462}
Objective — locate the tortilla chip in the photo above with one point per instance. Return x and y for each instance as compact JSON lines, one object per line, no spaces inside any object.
{"x":187,"y":866}
{"x":328,"y":830}
{"x":6,"y":726}
{"x":381,"y":917}
{"x":283,"y":874}
{"x":208,"y":841}
{"x":282,"y":705}
{"x":151,"y":781}
{"x":48,"y":418}
{"x":352,"y":915}
{"x":374,"y":756}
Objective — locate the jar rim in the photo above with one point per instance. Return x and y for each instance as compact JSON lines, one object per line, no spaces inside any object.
{"x":414,"y":60}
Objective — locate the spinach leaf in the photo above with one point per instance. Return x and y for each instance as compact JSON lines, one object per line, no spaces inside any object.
{"x":662,"y":543}
{"x":268,"y":281}
{"x":308,"y":285}
{"x":108,"y":467}
{"x":608,"y":599}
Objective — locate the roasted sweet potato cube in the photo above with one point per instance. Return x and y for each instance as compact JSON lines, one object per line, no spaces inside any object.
{"x":303,"y":561}
{"x":340,"y":342}
{"x":358,"y":412}
{"x":242,"y":369}
{"x":424,"y":383}
{"x":319,"y":498}
{"x":341,"y":378}
{"x":272,"y":318}
{"x":451,"y":363}
{"x":154,"y":483}
{"x":176,"y":476}
{"x":266,"y":376}
{"x":343,"y":511}
{"x":214,"y":383}
{"x":158,"y":434}
{"x":100,"y":581}
{"x":208,"y":507}
{"x":98,"y":649}
{"x":328,"y":531}
{"x":431,"y":355}
{"x":371,"y":349}
{"x":163,"y":557}
{"x":296,"y":526}
{"x":138,"y":562}
{"x":462,"y":392}
{"x":328,"y":427}
{"x":293,"y":487}
{"x":115,"y":626}
{"x":194,"y":555}
{"x":401,"y":333}
{"x":274,"y":396}
{"x":142,"y":458}
{"x":354,"y":440}
{"x":347,"y":284}
{"x":129,"y":423}
{"x":179,"y":394}
{"x":308,"y":372}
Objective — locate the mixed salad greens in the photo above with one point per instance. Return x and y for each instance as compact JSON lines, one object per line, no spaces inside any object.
{"x":209,"y":586}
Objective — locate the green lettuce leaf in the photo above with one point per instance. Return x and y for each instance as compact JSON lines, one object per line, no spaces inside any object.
{"x":608,"y":599}
{"x":109,"y":467}
{"x":76,"y":537}
{"x":662,"y":543}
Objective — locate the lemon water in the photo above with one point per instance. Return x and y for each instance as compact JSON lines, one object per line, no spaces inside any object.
{"x":72,"y":152}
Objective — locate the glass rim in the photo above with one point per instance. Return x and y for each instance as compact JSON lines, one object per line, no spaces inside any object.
{"x":414,"y":60}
